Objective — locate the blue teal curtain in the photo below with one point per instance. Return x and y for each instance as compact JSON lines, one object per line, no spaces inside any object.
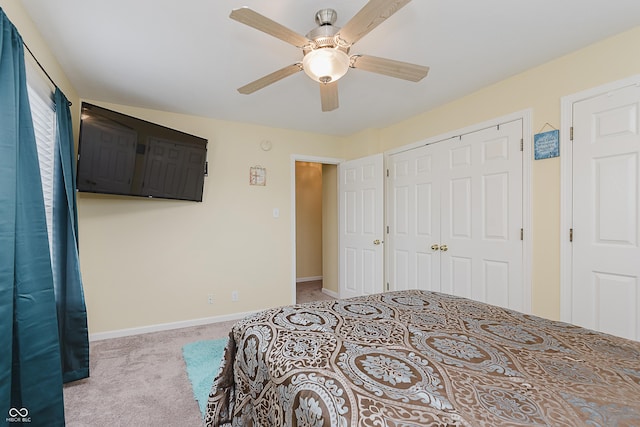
{"x":30,"y":367}
{"x":72,"y":314}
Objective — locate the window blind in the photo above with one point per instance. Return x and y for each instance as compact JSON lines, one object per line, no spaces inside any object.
{"x":44,"y":124}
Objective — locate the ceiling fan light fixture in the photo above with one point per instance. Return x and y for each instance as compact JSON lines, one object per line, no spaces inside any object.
{"x":326,"y":65}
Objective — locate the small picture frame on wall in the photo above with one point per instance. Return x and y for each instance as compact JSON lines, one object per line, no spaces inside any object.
{"x":257,"y":176}
{"x":546,"y":144}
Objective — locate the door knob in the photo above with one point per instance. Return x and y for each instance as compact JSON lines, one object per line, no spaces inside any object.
{"x":444,"y":248}
{"x":435,"y":247}
{"x":377,"y":242}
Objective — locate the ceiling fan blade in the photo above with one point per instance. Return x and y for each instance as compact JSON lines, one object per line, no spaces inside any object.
{"x":260,"y":22}
{"x":329,"y":96}
{"x":389,"y":67}
{"x":270,"y":78}
{"x":369,"y":17}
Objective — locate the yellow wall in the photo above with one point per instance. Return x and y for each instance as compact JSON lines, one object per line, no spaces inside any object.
{"x":147,"y":262}
{"x":330,"y":228}
{"x":308,"y":220}
{"x":540,"y":89}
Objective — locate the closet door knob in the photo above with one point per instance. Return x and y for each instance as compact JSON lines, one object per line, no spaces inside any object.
{"x":435,"y":247}
{"x":444,"y":248}
{"x":377,"y":242}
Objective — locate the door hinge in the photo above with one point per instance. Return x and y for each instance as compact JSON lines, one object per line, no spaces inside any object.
{"x":522,"y":234}
{"x":387,"y":173}
{"x":521,"y":144}
{"x":387,"y":229}
{"x":387,"y":286}
{"x":571,"y":134}
{"x":571,"y":234}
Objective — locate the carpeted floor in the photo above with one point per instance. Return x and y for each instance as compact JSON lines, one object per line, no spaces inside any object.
{"x":142,"y":381}
{"x":310,"y":291}
{"x":139,"y":381}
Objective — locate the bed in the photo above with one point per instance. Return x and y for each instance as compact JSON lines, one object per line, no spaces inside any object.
{"x":418,"y":358}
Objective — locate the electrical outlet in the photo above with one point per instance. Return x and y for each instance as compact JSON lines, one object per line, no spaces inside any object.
{"x":210,"y":299}
{"x":234,"y":296}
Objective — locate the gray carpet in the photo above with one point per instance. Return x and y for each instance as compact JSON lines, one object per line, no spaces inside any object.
{"x":142,"y":380}
{"x":310,"y":291}
{"x":139,"y":381}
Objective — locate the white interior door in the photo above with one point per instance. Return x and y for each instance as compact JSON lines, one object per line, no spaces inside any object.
{"x":361,"y":264}
{"x":455,"y":217}
{"x":605,"y":289}
{"x":481,"y":245}
{"x":413,"y":216}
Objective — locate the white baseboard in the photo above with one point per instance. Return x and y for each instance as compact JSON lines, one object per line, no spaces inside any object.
{"x":308,"y":279}
{"x":330,"y":293}
{"x":168,"y":326}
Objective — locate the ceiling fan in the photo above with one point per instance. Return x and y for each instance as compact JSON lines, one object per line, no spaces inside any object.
{"x":326,"y":48}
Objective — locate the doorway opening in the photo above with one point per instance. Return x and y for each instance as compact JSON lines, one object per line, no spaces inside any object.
{"x":314,"y":228}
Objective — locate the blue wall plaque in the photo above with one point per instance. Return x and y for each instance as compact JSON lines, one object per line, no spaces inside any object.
{"x":546,"y":144}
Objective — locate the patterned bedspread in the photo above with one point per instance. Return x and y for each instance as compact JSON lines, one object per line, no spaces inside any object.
{"x":416,"y":358}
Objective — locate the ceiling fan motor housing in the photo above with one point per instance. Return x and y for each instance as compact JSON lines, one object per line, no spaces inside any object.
{"x":324,"y":34}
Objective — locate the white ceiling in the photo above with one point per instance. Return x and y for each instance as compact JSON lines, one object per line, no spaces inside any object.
{"x":190,"y":57}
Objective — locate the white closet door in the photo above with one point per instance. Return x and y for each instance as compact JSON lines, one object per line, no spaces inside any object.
{"x":606,"y":213}
{"x":463,"y":195}
{"x":361,"y":190}
{"x":481,"y":244}
{"x":413,"y":201}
